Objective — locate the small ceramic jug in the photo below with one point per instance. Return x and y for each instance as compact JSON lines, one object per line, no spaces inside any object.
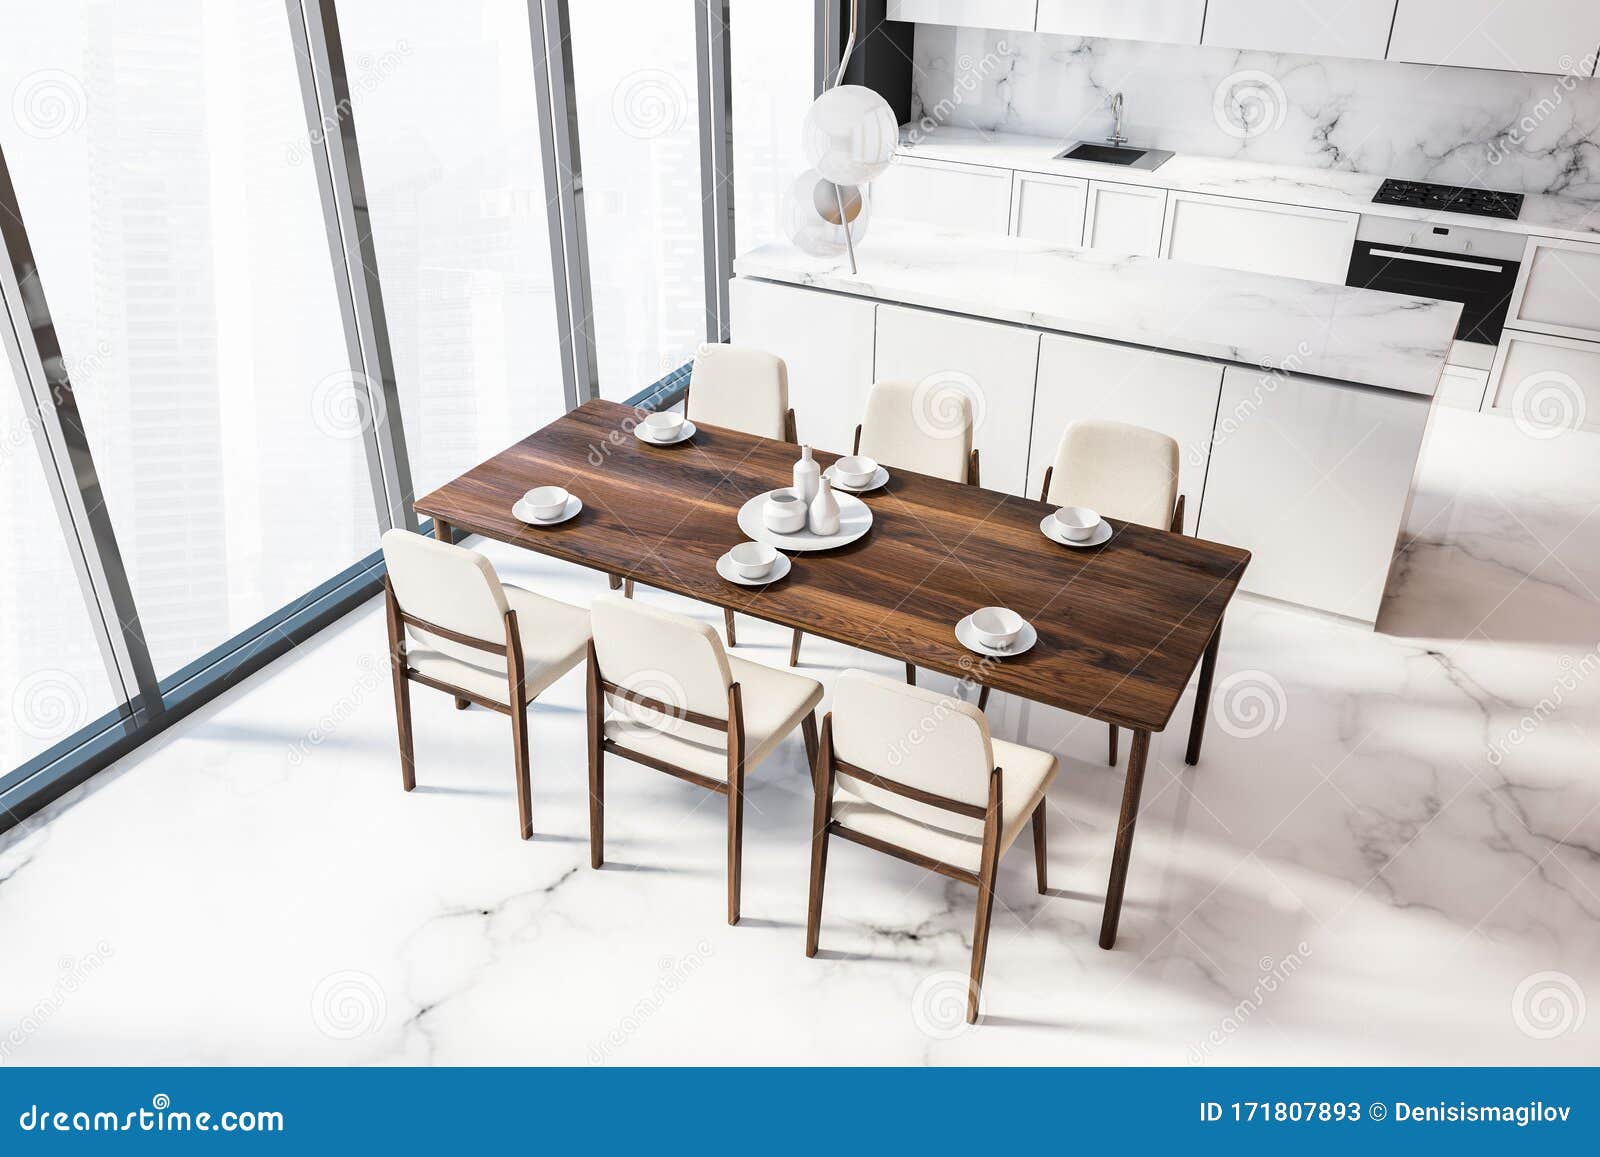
{"x":806,"y":475}
{"x":824,"y":517}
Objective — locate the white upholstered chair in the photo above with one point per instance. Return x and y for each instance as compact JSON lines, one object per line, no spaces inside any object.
{"x":455,"y":627}
{"x":663,"y":692}
{"x":916,"y":774}
{"x":898,"y":436}
{"x":741,"y":389}
{"x":1123,"y":471}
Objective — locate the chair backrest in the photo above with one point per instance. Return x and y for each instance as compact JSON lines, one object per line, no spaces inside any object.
{"x":449,"y":586}
{"x":670,"y":658}
{"x":1124,"y":471}
{"x":917,"y":738}
{"x":915,"y":428}
{"x":740,"y":388}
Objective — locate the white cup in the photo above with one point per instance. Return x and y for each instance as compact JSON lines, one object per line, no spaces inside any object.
{"x":856,"y":470}
{"x":663,"y":425}
{"x":753,"y":560}
{"x":546,"y":501}
{"x":1077,"y":523}
{"x":996,"y":627}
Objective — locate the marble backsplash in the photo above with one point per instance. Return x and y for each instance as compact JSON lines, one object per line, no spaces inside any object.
{"x":1500,"y":130}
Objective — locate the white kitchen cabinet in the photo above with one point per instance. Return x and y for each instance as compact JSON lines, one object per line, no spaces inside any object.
{"x":1546,"y":384}
{"x":1171,"y":21}
{"x":993,"y":364}
{"x":1045,"y":207}
{"x":1289,"y":240}
{"x":972,"y":198}
{"x":825,"y":339}
{"x":1017,"y":15}
{"x":1314,"y":479}
{"x":1354,"y":28}
{"x":1124,"y":218}
{"x":1176,"y":395}
{"x":1558,"y":289}
{"x":1554,"y":36}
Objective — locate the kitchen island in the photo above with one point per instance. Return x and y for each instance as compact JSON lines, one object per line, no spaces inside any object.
{"x":1300,"y":407}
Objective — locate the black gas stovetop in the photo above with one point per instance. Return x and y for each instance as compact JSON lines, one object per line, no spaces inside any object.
{"x":1452,"y":198}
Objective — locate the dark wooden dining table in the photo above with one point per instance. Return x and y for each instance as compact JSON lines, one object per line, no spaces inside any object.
{"x":1121,"y":627}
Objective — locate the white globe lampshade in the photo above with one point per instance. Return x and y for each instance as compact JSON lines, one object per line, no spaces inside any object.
{"x":811,"y":216}
{"x":850,"y":134}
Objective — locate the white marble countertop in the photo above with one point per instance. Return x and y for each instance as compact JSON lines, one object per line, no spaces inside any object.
{"x":1542,"y":216}
{"x":1299,"y":327}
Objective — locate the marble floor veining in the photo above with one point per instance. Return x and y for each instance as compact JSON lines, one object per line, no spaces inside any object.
{"x":1389,"y":853}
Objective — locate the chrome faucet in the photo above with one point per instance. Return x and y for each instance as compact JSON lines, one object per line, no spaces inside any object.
{"x":1116,"y":137}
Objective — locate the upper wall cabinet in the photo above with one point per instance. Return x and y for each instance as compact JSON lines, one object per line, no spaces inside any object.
{"x":1172,"y":21}
{"x":1016,"y":15}
{"x":1558,"y":36}
{"x":1358,"y":28}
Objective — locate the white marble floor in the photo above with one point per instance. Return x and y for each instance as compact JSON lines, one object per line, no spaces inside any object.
{"x":1378,"y":860}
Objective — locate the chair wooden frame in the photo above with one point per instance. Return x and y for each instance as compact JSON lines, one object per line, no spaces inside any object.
{"x":616,"y":581}
{"x":911,"y":668}
{"x":598,"y":687}
{"x":517,"y":700}
{"x":825,"y":773}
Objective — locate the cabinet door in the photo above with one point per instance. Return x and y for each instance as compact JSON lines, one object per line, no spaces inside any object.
{"x":1359,"y":28}
{"x":1558,"y":289}
{"x":1259,"y":237}
{"x":1124,"y":218}
{"x":1048,"y":208}
{"x":826,"y":341}
{"x":972,"y":198}
{"x":1555,"y":36}
{"x":1313,"y":478}
{"x":1547,"y":384}
{"x":1172,"y":21}
{"x":1017,"y":15}
{"x":1079,"y":378}
{"x":993,"y":364}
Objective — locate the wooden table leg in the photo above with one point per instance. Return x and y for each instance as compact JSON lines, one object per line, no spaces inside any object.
{"x":1202,"y":698}
{"x":441,"y":530}
{"x":1131,"y":789}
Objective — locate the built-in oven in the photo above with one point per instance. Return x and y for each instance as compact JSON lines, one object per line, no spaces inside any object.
{"x":1477,"y":267}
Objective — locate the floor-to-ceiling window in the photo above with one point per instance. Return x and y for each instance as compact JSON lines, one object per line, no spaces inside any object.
{"x":772,"y":89}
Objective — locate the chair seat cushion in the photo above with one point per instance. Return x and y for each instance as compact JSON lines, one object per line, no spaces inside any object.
{"x":554,"y":635}
{"x":1025,"y":774}
{"x":774,"y":704}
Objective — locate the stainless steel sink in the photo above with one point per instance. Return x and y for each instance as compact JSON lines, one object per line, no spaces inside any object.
{"x":1142,"y":159}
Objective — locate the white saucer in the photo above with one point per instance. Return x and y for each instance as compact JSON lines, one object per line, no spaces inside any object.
{"x":685,"y":432}
{"x":1101,"y":535}
{"x":574,"y":504}
{"x":855,"y":519}
{"x":779,"y":569}
{"x":879,"y":477}
{"x":968,"y":638}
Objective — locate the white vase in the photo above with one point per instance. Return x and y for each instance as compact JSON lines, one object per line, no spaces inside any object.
{"x":824,"y":517}
{"x":806,"y":476}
